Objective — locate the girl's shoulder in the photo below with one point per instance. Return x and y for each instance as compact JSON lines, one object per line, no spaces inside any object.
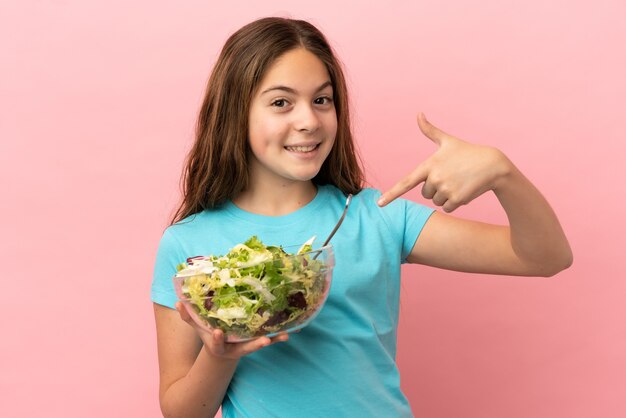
{"x":368,"y":198}
{"x":198,"y":223}
{"x":369,"y":194}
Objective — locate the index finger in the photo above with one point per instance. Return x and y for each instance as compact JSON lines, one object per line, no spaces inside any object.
{"x":416,"y":177}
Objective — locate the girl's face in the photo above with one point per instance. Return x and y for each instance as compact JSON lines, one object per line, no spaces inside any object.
{"x":292,"y":121}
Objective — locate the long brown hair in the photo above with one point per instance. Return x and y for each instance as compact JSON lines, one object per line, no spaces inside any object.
{"x":216,"y":168}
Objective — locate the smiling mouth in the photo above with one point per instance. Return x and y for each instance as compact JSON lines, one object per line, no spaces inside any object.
{"x":303,"y":149}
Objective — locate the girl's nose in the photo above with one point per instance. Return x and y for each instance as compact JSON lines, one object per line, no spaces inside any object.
{"x":307,"y":120}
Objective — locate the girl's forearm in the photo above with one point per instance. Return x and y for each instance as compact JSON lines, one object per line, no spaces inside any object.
{"x":535,"y":232}
{"x":200,"y":392}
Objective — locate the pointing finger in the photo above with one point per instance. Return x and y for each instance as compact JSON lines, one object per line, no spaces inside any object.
{"x":416,"y":177}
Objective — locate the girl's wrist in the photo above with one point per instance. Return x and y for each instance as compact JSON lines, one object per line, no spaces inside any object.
{"x":506,"y":173}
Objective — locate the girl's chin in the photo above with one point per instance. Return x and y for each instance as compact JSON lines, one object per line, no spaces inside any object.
{"x":302,"y":176}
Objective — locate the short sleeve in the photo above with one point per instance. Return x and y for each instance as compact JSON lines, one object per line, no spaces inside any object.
{"x":406,"y":219}
{"x":169,"y":255}
{"x":416,"y":216}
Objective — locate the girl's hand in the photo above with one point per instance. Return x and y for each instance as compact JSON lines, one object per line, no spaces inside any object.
{"x":216,"y":346}
{"x":457,"y":173}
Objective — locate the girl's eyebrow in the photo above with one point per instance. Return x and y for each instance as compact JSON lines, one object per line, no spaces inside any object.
{"x":292,"y":91}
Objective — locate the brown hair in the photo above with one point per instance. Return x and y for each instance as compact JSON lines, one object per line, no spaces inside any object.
{"x":216,"y":168}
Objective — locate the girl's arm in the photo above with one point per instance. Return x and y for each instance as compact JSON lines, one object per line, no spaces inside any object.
{"x":195,"y":366}
{"x":533,"y":244}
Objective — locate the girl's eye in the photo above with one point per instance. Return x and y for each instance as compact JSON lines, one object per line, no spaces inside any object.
{"x":279,"y":103}
{"x":323,"y":100}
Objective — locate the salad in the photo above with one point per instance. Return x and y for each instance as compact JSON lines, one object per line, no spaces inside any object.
{"x":254,"y":289}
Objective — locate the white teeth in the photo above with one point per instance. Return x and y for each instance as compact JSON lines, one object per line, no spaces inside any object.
{"x":302,"y":149}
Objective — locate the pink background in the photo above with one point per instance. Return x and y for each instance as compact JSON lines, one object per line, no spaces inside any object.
{"x":97,"y":107}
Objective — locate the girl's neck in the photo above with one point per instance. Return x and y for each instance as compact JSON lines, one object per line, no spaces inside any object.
{"x":273,"y":200}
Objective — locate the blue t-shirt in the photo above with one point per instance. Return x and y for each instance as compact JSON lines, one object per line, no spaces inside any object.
{"x":343,"y":363}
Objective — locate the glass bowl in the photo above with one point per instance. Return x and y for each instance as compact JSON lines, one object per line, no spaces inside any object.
{"x":263,"y":296}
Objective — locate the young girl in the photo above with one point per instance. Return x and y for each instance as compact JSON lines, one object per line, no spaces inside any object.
{"x":274,"y":157}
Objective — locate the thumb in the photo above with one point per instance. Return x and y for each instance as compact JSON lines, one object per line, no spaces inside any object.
{"x":431,"y":131}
